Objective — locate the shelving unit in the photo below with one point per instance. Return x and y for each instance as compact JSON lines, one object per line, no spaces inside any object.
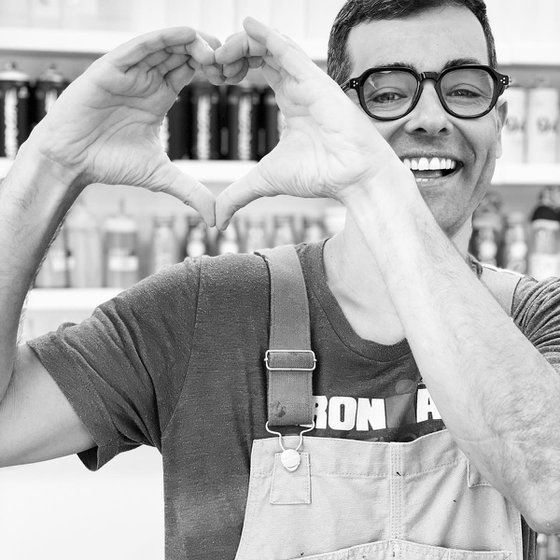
{"x":65,"y":42}
{"x":224,"y":172}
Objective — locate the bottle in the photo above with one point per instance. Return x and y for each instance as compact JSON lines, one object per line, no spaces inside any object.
{"x":197,"y":237}
{"x":313,"y":230}
{"x":545,"y":209}
{"x":243,"y":104}
{"x":514,"y":130}
{"x":121,"y":250}
{"x":541,"y":547}
{"x":174,"y":131}
{"x":50,"y":84}
{"x":543,"y":260}
{"x":164,"y":250}
{"x":283,"y":231}
{"x":205,"y":141}
{"x":552,"y":547}
{"x":85,"y":248}
{"x":16,"y":108}
{"x":542,"y":124}
{"x":228,"y":240}
{"x":255,"y":234}
{"x":54,"y":268}
{"x":485,"y":240}
{"x":516,"y":248}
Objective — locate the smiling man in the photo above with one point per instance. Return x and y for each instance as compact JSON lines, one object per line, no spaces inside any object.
{"x":431,"y":410}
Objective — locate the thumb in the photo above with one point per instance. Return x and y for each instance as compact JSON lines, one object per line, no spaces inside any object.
{"x":169,"y":179}
{"x":251,"y":186}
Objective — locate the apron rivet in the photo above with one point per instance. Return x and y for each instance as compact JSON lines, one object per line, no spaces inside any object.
{"x":290,"y":459}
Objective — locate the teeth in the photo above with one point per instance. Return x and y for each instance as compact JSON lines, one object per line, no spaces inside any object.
{"x":431,"y":164}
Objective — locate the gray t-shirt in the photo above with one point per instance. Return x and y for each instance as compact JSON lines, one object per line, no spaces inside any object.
{"x":176,"y":362}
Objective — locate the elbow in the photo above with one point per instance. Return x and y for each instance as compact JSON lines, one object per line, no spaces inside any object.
{"x":543,"y":515}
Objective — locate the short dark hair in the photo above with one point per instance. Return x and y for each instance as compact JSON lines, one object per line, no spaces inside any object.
{"x":355,"y":12}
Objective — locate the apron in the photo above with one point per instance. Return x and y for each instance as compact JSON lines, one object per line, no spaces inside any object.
{"x":335,"y":499}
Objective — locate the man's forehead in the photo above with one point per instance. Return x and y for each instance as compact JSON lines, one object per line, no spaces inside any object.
{"x":426,"y":41}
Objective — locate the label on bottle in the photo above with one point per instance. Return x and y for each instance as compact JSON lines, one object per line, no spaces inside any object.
{"x":542,"y":265}
{"x":122,"y":263}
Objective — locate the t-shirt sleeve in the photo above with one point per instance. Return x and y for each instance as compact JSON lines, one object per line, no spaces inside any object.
{"x":123,"y":368}
{"x":536,"y":311}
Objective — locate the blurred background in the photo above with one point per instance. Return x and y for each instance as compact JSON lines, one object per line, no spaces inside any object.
{"x":117,"y":235}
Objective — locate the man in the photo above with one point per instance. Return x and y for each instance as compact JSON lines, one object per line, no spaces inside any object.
{"x":396,"y":307}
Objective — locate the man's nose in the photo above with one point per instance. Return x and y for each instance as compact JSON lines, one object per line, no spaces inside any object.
{"x":429,"y":116}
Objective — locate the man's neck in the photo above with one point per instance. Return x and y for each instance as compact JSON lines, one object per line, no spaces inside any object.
{"x":357,"y":283}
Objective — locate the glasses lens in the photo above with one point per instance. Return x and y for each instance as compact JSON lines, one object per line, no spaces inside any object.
{"x":468,"y":91}
{"x":389,"y":94}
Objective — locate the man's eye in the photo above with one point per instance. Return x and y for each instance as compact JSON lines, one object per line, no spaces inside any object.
{"x":387,"y":97}
{"x":464,"y":92}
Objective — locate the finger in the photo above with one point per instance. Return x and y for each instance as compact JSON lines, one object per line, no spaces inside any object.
{"x":236,"y":79}
{"x":178,"y":78}
{"x":200,"y":50}
{"x":214,"y":74}
{"x":290,"y":56}
{"x":239,"y":46}
{"x":188,"y":190}
{"x":214,"y":42}
{"x":240,"y":193}
{"x":136,"y":50}
{"x":235,"y":68}
{"x":172,"y":62}
{"x":255,"y":61}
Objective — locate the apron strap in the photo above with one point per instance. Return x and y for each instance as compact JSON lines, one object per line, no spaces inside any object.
{"x":289,"y":360}
{"x":502,"y":284}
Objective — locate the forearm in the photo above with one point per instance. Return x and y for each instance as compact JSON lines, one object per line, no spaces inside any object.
{"x":497,"y":395}
{"x":34,"y":197}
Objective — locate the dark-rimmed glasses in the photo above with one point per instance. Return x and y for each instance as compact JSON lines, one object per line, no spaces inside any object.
{"x":468,"y":91}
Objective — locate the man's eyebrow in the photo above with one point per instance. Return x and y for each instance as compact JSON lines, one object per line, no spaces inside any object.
{"x":448,"y":64}
{"x":461,"y":61}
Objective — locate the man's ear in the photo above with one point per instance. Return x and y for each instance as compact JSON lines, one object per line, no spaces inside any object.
{"x":501,"y":111}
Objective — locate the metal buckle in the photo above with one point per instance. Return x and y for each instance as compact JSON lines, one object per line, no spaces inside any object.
{"x":268,"y":352}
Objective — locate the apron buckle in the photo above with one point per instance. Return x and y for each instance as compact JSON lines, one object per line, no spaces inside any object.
{"x":291,"y":458}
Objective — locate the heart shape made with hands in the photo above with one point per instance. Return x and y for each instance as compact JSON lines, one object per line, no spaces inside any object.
{"x":329,"y":147}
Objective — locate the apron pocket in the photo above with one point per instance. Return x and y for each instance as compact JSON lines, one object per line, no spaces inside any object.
{"x":396,"y":549}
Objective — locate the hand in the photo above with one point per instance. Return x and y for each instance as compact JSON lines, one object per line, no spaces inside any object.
{"x":105,"y":125}
{"x":329,"y":147}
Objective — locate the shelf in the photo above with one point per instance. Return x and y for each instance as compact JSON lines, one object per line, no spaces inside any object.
{"x":526,"y":174}
{"x":61,"y":41}
{"x":224,"y":172}
{"x":68,"y":299}
{"x":93,"y":43}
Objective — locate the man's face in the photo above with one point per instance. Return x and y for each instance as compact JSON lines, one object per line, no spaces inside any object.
{"x":430,"y":41}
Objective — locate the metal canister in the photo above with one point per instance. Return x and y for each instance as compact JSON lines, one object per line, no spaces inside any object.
{"x":243,"y":103}
{"x":14,"y":109}
{"x":176,"y":127}
{"x":273,"y":120}
{"x":48,"y":87}
{"x":205,"y":130}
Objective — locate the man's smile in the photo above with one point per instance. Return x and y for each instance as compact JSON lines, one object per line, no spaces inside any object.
{"x":427,"y":169}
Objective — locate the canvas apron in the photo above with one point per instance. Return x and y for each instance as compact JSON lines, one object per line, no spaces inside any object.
{"x":335,"y":499}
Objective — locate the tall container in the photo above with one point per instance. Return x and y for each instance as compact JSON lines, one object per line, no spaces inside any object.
{"x":514,"y":130}
{"x":243,"y":109}
{"x":205,"y":133}
{"x":15,"y":102}
{"x":85,"y":248}
{"x":542,"y":124}
{"x":50,"y":84}
{"x":121,"y":250}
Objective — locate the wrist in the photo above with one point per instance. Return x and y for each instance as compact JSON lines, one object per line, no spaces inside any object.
{"x":35,"y":169}
{"x":391,"y":188}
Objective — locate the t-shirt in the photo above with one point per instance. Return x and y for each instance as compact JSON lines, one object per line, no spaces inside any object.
{"x":176,"y":362}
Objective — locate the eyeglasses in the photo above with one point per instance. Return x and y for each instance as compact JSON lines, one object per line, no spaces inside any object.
{"x":468,"y":91}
